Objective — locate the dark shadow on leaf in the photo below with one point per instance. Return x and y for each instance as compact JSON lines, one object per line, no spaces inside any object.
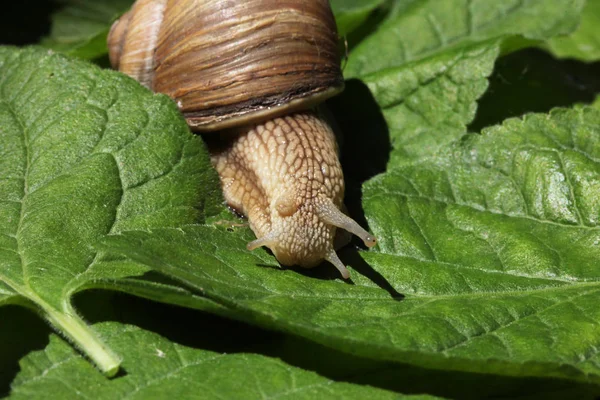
{"x":21,"y":331}
{"x":350,"y":256}
{"x":532,"y":80}
{"x":410,"y":379}
{"x":201,"y":330}
{"x":323,"y":271}
{"x":185,"y":326}
{"x":368,"y":26}
{"x":102,"y":61}
{"x":269,"y":266}
{"x":364,"y":142}
{"x":157,"y":277}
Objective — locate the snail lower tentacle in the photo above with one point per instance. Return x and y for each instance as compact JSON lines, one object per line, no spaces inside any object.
{"x":284,"y":174}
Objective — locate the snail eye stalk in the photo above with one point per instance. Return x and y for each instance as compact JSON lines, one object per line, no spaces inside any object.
{"x":331,"y":215}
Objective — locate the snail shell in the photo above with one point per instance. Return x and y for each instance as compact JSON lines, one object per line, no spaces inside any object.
{"x":253,"y":70}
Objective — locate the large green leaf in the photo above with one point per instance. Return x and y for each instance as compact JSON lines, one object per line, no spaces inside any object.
{"x":157,"y":369}
{"x":499,"y":240}
{"x":460,"y":308}
{"x":85,"y":152}
{"x":427,"y":104}
{"x":416,"y":29}
{"x":584,"y":43}
{"x":494,"y":247}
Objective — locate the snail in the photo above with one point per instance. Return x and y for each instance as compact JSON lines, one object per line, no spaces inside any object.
{"x":253,"y":71}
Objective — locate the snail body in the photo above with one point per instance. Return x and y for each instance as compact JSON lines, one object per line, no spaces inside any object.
{"x":253,"y":71}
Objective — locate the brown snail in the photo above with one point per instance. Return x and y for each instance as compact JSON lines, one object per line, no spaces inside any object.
{"x":254,"y":71}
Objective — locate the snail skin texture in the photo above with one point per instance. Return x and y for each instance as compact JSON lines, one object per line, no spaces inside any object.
{"x":284,"y":175}
{"x":252,"y":72}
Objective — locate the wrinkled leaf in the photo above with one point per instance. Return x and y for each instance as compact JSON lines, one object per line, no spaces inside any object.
{"x":85,"y":152}
{"x":500,"y":240}
{"x":584,"y":43}
{"x":465,"y":314}
{"x":416,"y":29}
{"x":157,"y":369}
{"x":427,"y":104}
{"x":494,"y":246}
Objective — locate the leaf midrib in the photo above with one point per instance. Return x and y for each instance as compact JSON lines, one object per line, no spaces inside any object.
{"x":25,"y":140}
{"x":268,"y":293}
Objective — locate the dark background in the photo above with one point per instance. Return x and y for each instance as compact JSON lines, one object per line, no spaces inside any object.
{"x":25,"y":21}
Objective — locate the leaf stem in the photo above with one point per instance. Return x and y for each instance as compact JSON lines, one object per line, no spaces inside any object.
{"x":84,"y":337}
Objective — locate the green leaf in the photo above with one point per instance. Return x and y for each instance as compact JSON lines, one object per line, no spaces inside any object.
{"x":80,"y":28}
{"x":500,"y":239}
{"x":157,"y":369}
{"x":487,"y":289}
{"x":494,"y":247}
{"x":85,"y":152}
{"x":584,"y":43}
{"x":427,"y":104}
{"x":416,"y":29}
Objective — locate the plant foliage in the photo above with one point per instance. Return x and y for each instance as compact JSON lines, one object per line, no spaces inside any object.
{"x":487,"y":218}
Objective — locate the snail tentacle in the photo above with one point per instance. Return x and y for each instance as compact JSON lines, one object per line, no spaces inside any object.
{"x":333,"y":258}
{"x":332,"y":215}
{"x":265,"y":241}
